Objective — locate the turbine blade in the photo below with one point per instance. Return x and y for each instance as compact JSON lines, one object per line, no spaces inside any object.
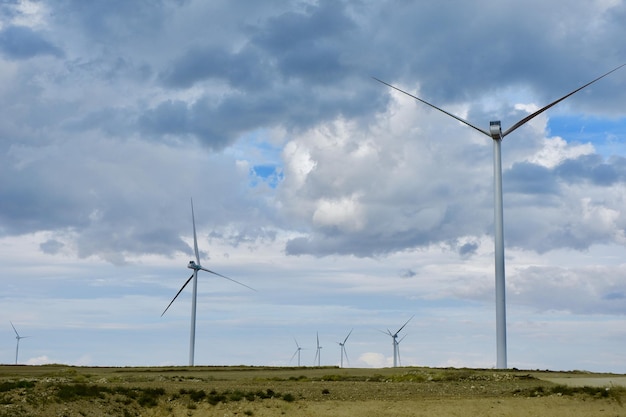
{"x":195,"y":239}
{"x":346,"y":353}
{"x":294,"y":339}
{"x":230,"y":279}
{"x":179,"y":291}
{"x":484,"y":132}
{"x":18,"y":335}
{"x":346,"y":339}
{"x":541,"y":110}
{"x":407,"y":322}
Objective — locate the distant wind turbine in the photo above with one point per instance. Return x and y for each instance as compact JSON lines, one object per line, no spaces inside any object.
{"x":18,"y":338}
{"x":343,"y":349}
{"x":318,"y":351}
{"x":195,"y":266}
{"x":297,"y":352}
{"x":396,"y":343}
{"x":495,"y":132}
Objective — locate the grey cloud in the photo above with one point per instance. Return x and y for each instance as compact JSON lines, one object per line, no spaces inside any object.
{"x":242,"y":70}
{"x":528,"y":178}
{"x":593,"y":168}
{"x":21,"y":42}
{"x":51,"y":246}
{"x":468,"y":248}
{"x":589,"y":290}
{"x":409,"y":273}
{"x":119,"y":115}
{"x":114,"y":20}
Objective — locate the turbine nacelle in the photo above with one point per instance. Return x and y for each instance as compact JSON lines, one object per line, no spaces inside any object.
{"x":194,"y":266}
{"x":495,"y":130}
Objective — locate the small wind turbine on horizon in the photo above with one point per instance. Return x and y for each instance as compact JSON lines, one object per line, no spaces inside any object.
{"x":318,"y":351}
{"x":18,"y":338}
{"x":297,"y":352}
{"x":396,"y":343}
{"x":343,"y":349}
{"x":195,"y":266}
{"x":495,"y":132}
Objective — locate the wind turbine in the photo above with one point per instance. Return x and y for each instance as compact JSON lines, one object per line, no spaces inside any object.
{"x":318,"y":351}
{"x":18,"y":338}
{"x":495,"y":132}
{"x":396,"y":343}
{"x":297,"y":352}
{"x":343,"y":348}
{"x":195,"y":266}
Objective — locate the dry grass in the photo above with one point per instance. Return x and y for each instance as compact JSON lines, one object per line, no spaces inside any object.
{"x":64,"y":391}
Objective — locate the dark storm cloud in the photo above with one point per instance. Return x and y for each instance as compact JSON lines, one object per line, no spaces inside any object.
{"x":20,"y":42}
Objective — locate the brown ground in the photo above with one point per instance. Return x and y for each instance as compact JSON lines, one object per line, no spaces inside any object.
{"x":62,"y":391}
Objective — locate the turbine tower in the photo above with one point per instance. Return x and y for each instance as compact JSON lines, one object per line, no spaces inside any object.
{"x":396,"y":343}
{"x":342,"y":345}
{"x":297,"y":352}
{"x":318,"y":351}
{"x":18,"y":338}
{"x":495,"y":132}
{"x":195,"y":266}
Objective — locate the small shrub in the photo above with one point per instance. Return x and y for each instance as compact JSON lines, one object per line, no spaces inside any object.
{"x":289,"y":397}
{"x":197,"y":395}
{"x":10,"y":385}
{"x":236,"y":396}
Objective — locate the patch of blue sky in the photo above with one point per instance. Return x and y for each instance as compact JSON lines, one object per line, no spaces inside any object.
{"x":608,"y":136}
{"x":263,"y":154}
{"x":271,"y":175}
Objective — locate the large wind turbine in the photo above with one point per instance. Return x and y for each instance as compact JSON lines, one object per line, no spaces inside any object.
{"x":18,"y":338}
{"x":342,"y":345}
{"x":396,"y":343}
{"x":495,"y":132}
{"x":318,"y":351}
{"x":195,"y":266}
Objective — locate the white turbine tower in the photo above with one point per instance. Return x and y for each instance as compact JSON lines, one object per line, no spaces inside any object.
{"x":495,"y":132}
{"x":18,"y":338}
{"x":342,"y":345}
{"x":297,"y":352}
{"x":396,"y":343}
{"x":318,"y":351}
{"x":195,"y":266}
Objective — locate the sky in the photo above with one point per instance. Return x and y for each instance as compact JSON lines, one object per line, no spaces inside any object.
{"x":346,"y":205}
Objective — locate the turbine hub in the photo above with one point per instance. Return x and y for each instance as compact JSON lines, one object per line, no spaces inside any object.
{"x":495,"y":130}
{"x":193,"y":265}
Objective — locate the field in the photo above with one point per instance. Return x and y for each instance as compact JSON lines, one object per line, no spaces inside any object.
{"x":65,"y":391}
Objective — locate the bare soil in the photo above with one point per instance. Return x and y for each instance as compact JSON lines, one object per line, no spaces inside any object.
{"x":64,"y":391}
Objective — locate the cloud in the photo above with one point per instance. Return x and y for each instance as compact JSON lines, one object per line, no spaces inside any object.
{"x":374,"y":360}
{"x":20,"y":42}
